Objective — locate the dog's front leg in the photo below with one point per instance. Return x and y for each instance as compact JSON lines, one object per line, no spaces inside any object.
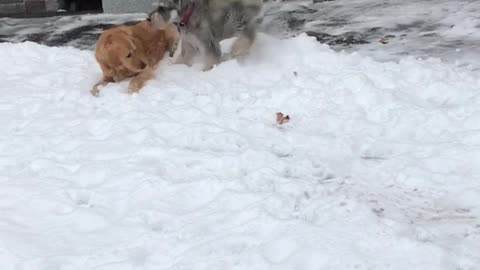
{"x":187,"y":54}
{"x":138,"y":82}
{"x":241,"y":47}
{"x":96,"y":88}
{"x":213,"y":54}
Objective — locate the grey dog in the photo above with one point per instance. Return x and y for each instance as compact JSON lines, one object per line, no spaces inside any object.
{"x":204,"y":23}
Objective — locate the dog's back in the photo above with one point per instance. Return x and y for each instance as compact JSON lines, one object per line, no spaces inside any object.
{"x":227,"y":18}
{"x":231,"y":17}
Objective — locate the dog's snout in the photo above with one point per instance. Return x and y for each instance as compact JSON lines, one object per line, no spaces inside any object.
{"x":143,"y":65}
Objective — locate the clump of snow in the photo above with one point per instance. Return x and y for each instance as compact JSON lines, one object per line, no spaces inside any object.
{"x":377,"y":168}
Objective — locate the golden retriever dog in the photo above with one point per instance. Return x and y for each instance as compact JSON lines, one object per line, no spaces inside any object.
{"x":133,"y":52}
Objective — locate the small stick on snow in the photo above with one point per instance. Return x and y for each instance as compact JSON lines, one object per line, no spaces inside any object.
{"x":282,"y":119}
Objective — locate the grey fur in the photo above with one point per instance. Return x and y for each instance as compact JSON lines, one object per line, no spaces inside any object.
{"x":212,"y":21}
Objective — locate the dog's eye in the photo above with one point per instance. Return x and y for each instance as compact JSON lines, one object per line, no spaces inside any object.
{"x":129,"y":55}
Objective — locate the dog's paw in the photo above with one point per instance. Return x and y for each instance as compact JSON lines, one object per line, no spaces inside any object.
{"x":135,"y":86}
{"x":182,"y":61}
{"x":208,"y":67}
{"x":226,"y":57}
{"x":133,"y":90}
{"x":95,"y":92}
{"x":242,"y":59}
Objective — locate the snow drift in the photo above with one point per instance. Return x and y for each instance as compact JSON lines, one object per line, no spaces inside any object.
{"x":378,"y":168}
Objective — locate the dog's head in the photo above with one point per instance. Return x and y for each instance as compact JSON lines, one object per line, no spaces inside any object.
{"x":166,"y":17}
{"x":120,"y":54}
{"x":166,"y":11}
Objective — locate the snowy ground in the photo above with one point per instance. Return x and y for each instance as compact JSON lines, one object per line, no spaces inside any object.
{"x":79,"y":31}
{"x":378,"y":168}
{"x":389,"y":29}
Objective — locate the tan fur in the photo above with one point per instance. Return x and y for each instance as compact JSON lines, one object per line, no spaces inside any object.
{"x":132,"y":51}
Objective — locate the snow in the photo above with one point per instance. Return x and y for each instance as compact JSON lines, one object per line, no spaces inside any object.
{"x":377,"y":169}
{"x":422,"y":28}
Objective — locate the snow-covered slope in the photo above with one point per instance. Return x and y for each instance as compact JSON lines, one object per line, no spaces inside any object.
{"x":377,"y":169}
